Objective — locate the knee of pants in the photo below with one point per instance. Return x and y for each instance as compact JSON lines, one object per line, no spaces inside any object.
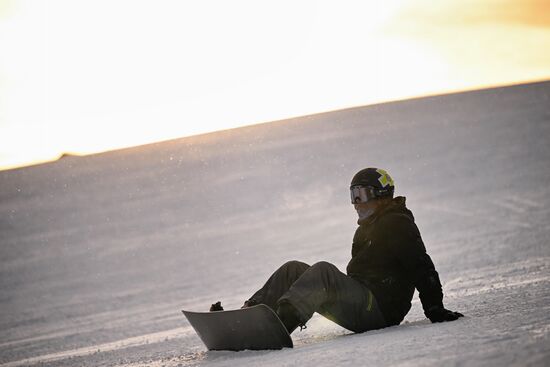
{"x":324,"y":266}
{"x":295,"y":265}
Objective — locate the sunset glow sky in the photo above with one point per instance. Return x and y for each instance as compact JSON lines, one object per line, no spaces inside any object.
{"x":89,"y":76}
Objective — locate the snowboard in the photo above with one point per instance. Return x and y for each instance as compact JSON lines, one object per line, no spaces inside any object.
{"x":255,"y":328}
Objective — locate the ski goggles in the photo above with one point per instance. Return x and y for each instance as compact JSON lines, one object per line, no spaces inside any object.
{"x":361,"y":194}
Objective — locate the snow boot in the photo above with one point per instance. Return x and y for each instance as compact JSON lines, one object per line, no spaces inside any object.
{"x":249,"y":303}
{"x":290,"y":317}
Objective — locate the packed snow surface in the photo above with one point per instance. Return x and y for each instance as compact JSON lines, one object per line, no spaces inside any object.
{"x":99,"y":254}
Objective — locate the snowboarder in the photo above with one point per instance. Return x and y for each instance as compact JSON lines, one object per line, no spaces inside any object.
{"x":388,"y":262}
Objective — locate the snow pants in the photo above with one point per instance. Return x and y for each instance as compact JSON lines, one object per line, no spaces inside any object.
{"x":324,"y":289}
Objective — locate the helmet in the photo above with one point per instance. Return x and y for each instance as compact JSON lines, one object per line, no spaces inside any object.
{"x":371,"y":183}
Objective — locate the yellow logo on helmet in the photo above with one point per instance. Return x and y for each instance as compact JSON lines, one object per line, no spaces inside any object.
{"x":385,"y":179}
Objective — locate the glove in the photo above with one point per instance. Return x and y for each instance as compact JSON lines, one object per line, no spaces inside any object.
{"x":216,"y":307}
{"x":440,"y":314}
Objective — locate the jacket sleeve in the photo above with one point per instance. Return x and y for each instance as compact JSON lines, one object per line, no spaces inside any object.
{"x":406,"y":244}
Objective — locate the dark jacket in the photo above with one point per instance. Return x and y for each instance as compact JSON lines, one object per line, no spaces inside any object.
{"x":388,"y":255}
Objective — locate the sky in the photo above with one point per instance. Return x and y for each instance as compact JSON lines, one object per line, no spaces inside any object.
{"x":84,"y":76}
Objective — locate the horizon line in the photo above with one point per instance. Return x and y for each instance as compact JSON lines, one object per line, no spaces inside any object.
{"x":445,"y":92}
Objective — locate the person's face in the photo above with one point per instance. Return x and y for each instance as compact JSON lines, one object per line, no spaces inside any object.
{"x":364,"y":201}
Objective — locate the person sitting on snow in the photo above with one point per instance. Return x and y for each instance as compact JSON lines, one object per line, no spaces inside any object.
{"x":388,"y":262}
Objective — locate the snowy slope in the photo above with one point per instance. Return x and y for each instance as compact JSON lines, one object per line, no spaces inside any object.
{"x":99,"y":254}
